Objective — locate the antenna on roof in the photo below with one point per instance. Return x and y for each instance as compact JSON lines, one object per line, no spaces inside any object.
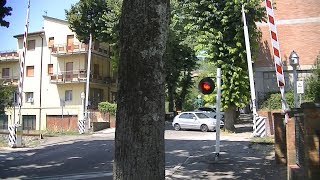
{"x":45,"y":13}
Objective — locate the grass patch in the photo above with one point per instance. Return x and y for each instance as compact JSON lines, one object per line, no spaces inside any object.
{"x":61,"y":133}
{"x":263,"y":140}
{"x":3,"y":141}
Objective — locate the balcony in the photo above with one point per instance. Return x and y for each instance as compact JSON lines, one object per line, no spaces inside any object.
{"x":79,"y":76}
{"x":9,"y":80}
{"x":9,"y":56}
{"x":76,"y":48}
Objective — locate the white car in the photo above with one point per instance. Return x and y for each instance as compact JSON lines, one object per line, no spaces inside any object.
{"x":195,"y":120}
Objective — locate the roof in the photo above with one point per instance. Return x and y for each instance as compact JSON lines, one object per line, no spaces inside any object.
{"x":54,"y":19}
{"x":29,"y":34}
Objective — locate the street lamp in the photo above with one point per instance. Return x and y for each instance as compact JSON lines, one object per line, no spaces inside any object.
{"x":294,"y":62}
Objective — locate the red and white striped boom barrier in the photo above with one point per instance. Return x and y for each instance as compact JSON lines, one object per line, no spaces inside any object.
{"x":22,"y":62}
{"x":276,"y":52}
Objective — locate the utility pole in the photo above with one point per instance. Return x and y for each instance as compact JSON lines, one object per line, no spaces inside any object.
{"x":218,"y":101}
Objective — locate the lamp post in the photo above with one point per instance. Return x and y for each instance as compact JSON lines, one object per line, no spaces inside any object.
{"x":294,"y":62}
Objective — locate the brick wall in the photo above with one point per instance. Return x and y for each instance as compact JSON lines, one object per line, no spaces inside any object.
{"x":280,"y":139}
{"x":297,"y":142}
{"x":311,"y":140}
{"x":298,"y":25}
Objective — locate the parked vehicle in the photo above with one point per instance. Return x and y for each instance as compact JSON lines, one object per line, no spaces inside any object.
{"x":211,"y":112}
{"x":195,"y":120}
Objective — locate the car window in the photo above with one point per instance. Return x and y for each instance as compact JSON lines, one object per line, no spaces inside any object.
{"x":184,"y":115}
{"x":187,"y":116}
{"x":201,"y":115}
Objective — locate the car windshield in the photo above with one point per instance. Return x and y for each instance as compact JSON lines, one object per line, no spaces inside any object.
{"x":201,"y":115}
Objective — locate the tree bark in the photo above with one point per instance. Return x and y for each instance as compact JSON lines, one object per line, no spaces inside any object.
{"x":229,"y":118}
{"x":139,"y":141}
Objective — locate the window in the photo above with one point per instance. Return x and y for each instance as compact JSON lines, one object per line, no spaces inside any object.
{"x":31,"y":45}
{"x":187,"y":116}
{"x":50,"y":68}
{"x":30,"y":71}
{"x":3,"y":121}
{"x":5,"y":72}
{"x":29,"y":122}
{"x":202,"y":116}
{"x":29,"y":97}
{"x":51,"y":42}
{"x":68,"y":95}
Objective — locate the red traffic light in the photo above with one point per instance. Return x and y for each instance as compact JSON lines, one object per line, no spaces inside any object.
{"x":206,"y":85}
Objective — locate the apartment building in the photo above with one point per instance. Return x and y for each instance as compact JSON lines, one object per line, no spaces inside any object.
{"x":298,"y":26}
{"x":56,"y":75}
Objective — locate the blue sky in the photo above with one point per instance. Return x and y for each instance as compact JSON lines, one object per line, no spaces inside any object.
{"x":54,"y":8}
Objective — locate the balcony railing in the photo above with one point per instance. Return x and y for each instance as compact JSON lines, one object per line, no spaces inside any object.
{"x":9,"y":80}
{"x":9,"y":56}
{"x":79,"y":76}
{"x":76,"y":48}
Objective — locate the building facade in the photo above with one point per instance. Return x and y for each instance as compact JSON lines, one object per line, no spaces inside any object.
{"x":298,"y":26}
{"x":55,"y":76}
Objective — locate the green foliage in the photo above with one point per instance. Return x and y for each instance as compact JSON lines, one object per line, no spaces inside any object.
{"x":6,"y":97}
{"x":217,"y":27}
{"x":273,"y":100}
{"x":180,"y":61}
{"x":98,"y":17}
{"x":312,"y":89}
{"x":4,"y":11}
{"x":107,"y":107}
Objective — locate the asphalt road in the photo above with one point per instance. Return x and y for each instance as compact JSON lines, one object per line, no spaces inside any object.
{"x":91,"y":157}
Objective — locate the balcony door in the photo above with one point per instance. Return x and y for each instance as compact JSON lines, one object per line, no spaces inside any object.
{"x":70,"y":42}
{"x":69,"y":70}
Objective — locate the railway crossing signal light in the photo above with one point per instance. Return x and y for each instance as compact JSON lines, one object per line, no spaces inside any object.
{"x":206,"y":85}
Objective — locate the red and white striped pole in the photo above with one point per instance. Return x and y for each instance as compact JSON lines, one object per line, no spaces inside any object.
{"x":276,"y":53}
{"x":22,"y":62}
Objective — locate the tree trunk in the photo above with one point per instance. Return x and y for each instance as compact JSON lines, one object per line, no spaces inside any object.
{"x":139,"y":141}
{"x":171,"y":98}
{"x":229,"y":118}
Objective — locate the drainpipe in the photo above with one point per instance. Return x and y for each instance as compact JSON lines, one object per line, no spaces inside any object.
{"x":40,"y":93}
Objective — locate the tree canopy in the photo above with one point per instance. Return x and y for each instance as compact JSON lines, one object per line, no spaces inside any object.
{"x":180,"y":61}
{"x":218,"y":28}
{"x":4,"y":11}
{"x":98,"y":17}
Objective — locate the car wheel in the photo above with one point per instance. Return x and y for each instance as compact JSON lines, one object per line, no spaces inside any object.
{"x":177,"y":127}
{"x":204,"y":128}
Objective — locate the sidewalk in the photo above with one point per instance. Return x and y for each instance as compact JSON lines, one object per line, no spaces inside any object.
{"x":238,"y":159}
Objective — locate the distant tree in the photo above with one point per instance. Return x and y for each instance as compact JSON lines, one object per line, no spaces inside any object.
{"x":218,"y":28}
{"x":313,"y":83}
{"x":4,"y":11}
{"x":139,"y":139}
{"x":6,"y":97}
{"x":180,"y":61}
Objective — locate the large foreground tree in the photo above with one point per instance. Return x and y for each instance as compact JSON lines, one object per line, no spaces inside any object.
{"x":139,"y":141}
{"x":4,"y":11}
{"x":217,"y":25}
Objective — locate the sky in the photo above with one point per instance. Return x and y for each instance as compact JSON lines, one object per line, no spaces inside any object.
{"x":54,"y":8}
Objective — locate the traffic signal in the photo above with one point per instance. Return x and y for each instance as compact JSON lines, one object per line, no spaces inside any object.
{"x":206,"y":85}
